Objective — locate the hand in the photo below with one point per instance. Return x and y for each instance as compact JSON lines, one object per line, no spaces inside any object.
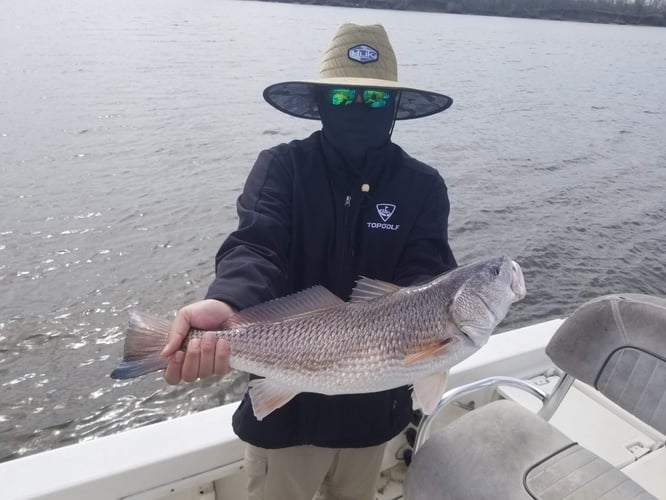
{"x":204,"y":357}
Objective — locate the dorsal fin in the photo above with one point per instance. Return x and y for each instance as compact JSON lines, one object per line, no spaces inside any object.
{"x":306,"y":301}
{"x":369,"y":289}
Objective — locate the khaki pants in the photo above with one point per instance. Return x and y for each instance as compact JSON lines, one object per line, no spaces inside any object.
{"x":300,"y":472}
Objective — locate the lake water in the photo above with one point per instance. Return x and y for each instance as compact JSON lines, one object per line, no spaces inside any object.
{"x":129,"y":126}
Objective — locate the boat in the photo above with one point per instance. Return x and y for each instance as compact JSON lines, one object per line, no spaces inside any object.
{"x":198,"y":455}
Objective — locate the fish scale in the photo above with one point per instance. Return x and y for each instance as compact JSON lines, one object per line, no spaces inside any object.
{"x":345,"y":338}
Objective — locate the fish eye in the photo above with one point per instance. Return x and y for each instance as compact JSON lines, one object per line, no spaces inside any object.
{"x":495,"y":270}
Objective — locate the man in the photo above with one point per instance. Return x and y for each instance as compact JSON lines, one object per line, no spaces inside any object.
{"x":341,"y":203}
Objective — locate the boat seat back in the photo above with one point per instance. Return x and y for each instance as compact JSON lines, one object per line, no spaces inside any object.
{"x":617,"y":344}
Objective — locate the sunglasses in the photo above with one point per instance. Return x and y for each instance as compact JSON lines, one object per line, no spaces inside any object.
{"x":371,"y":97}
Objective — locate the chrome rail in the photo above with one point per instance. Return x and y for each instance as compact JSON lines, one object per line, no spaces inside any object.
{"x":449,"y":396}
{"x":556,"y":396}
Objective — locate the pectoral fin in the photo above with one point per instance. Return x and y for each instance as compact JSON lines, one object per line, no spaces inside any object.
{"x":428,"y":351}
{"x":428,"y":391}
{"x":267,"y":396}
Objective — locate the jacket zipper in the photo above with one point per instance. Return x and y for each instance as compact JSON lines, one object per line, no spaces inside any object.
{"x":348,"y":229}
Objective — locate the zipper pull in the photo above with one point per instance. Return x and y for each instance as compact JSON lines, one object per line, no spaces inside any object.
{"x":348,"y":201}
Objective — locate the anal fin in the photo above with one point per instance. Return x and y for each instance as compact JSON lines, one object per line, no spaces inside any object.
{"x":267,"y":396}
{"x":428,"y":391}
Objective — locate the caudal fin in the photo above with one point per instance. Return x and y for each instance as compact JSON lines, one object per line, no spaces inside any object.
{"x":146,"y":337}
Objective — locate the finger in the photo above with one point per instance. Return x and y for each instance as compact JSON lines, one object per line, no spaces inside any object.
{"x":192,"y":359}
{"x":221,"y":358}
{"x":172,"y":374}
{"x":179,"y":330}
{"x":207,"y":362}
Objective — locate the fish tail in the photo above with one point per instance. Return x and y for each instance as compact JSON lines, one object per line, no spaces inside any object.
{"x":146,"y":337}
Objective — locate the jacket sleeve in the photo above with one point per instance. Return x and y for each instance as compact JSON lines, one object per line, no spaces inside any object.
{"x":251,"y":266}
{"x":428,"y":252}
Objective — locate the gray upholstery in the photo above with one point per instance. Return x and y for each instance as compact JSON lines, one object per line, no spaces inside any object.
{"x":503,"y":451}
{"x":585,"y":341}
{"x":483,"y":455}
{"x":617,"y":344}
{"x":578,"y":474}
{"x":637,"y":382}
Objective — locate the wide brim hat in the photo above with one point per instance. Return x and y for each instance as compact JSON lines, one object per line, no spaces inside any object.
{"x":359,"y":57}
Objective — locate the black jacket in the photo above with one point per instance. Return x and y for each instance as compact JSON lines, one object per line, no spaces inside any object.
{"x":304,"y":220}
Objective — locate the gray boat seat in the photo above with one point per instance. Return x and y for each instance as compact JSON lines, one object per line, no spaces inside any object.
{"x":616,"y":344}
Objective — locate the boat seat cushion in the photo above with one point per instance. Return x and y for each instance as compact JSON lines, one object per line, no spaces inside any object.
{"x":578,"y":474}
{"x":504,"y":451}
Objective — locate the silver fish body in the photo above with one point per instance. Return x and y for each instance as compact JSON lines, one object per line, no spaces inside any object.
{"x":385,"y":337}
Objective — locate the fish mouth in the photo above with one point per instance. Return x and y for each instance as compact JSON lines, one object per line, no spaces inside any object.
{"x":517,"y":282}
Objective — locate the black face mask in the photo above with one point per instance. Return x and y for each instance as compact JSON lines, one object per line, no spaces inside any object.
{"x":356,"y":128}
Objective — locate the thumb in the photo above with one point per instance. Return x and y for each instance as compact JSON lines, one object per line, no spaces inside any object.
{"x":179,"y":330}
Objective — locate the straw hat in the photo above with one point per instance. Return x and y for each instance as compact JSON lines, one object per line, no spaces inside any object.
{"x":359,"y":56}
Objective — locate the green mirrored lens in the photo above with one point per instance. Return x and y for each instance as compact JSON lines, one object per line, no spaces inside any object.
{"x":376,"y":98}
{"x":341,"y":97}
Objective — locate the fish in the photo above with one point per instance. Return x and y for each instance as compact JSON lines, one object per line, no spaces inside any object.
{"x":384,"y":337}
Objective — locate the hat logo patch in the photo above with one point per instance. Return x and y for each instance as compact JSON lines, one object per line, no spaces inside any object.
{"x":363,"y":54}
